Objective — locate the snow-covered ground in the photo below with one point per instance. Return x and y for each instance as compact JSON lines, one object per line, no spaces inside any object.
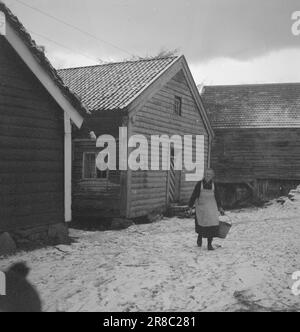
{"x":158,"y":267}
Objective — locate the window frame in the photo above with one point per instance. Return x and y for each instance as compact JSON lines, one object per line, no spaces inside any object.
{"x":178,"y":100}
{"x":96,"y":170}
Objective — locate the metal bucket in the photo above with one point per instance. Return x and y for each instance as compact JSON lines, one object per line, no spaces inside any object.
{"x":224,"y":226}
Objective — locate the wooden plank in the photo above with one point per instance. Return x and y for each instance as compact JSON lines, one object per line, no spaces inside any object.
{"x":15,"y":143}
{"x":30,"y":177}
{"x":21,"y":106}
{"x":28,"y":122}
{"x":29,"y":166}
{"x":28,"y":188}
{"x":21,"y":131}
{"x":29,"y":155}
{"x":32,"y":220}
{"x":16,"y":209}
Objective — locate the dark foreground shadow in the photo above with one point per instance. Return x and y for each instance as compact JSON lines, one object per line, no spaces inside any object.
{"x":20,"y":296}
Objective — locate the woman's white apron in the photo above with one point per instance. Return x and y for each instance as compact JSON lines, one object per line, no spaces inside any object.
{"x":206,"y":208}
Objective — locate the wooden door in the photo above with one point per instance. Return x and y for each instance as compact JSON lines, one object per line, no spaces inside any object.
{"x":174,"y":182}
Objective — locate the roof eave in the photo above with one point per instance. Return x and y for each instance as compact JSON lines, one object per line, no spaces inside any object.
{"x":18,"y":37}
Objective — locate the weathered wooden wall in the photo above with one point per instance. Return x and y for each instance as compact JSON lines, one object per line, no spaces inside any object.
{"x":241,"y":155}
{"x":95,"y":197}
{"x":148,"y":189}
{"x":31,"y":148}
{"x":266,"y":160}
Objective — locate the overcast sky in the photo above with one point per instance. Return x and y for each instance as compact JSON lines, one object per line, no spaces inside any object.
{"x":225,"y":41}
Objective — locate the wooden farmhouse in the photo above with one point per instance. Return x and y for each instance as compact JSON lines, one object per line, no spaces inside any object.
{"x":36,"y":111}
{"x":148,"y":97}
{"x":256,"y":151}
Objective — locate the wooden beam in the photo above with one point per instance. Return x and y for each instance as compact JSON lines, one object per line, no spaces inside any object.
{"x":68,"y":168}
{"x":129,"y":175}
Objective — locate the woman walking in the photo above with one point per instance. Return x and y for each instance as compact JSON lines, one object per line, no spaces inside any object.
{"x":208,"y":208}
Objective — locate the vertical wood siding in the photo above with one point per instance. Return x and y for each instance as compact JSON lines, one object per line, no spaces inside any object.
{"x":157,"y":117}
{"x":31,"y":148}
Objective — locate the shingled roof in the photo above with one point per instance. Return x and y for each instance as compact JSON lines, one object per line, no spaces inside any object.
{"x":114,"y":86}
{"x":253,"y":106}
{"x":41,"y":58}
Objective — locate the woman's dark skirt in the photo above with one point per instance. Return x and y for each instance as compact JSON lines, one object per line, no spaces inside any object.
{"x":206,"y":232}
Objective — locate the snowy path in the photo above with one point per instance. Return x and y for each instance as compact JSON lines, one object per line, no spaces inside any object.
{"x":157,"y":267}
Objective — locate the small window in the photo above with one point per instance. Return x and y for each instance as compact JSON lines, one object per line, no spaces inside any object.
{"x":90,"y":171}
{"x":178,"y":106}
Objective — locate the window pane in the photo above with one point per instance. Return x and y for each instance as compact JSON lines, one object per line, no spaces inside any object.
{"x":89,"y":166}
{"x":178,"y":105}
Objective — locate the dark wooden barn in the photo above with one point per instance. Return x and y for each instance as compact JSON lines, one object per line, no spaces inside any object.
{"x":257,"y":139}
{"x":148,"y":97}
{"x":36,"y":111}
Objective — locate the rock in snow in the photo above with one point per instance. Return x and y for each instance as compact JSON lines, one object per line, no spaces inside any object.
{"x":7,"y":244}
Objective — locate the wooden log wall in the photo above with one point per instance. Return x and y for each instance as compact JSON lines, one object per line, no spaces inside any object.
{"x":31,"y":148}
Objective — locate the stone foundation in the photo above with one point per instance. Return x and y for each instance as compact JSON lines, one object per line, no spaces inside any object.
{"x":39,"y":235}
{"x":7,"y":244}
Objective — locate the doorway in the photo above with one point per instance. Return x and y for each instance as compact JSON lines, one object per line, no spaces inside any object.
{"x":174,"y":181}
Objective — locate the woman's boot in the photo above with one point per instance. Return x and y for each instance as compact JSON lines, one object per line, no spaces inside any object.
{"x":199,"y":241}
{"x":209,"y":242}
